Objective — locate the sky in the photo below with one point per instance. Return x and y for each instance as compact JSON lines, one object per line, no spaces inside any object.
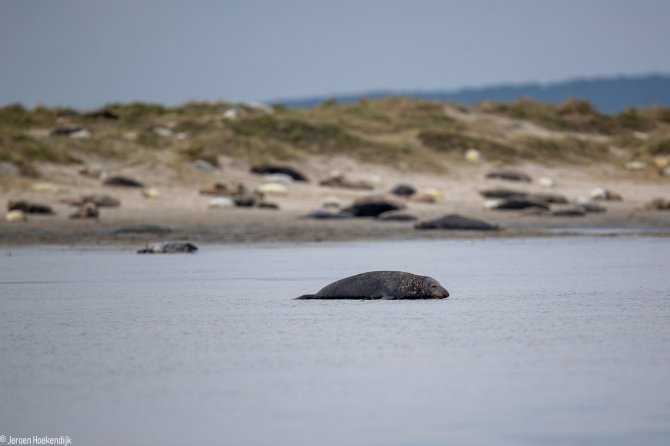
{"x":85,"y":53}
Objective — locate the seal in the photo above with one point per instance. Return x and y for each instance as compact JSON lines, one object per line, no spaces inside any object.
{"x":550,"y":198}
{"x":516,"y":203}
{"x":501,"y":193}
{"x":390,"y":285}
{"x":168,"y":248}
{"x":373,"y":206}
{"x":100,"y":200}
{"x":269,"y":169}
{"x":227,"y":189}
{"x":121,"y":181}
{"x":87,"y":210}
{"x":404,"y":190}
{"x":457,"y":223}
{"x":396,"y":216}
{"x":28,"y":207}
{"x":660,"y":204}
{"x":341,"y":181}
{"x":327,"y":214}
{"x":602,"y":194}
{"x":587,"y":207}
{"x":570,"y":212}
{"x":508,"y":194}
{"x":509,"y":175}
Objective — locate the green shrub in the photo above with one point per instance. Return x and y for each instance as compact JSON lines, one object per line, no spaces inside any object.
{"x":658,"y":147}
{"x":573,"y":115}
{"x":455,"y":142}
{"x":633,"y":119}
{"x":560,"y":149}
{"x":297,"y":133}
{"x":16,"y":115}
{"x":23,"y":151}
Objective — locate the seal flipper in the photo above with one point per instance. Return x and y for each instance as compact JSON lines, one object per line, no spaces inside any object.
{"x":307,"y":296}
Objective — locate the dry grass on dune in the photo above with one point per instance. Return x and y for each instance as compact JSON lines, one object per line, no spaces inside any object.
{"x":421,"y":135}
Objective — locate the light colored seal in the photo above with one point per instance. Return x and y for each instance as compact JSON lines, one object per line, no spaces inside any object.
{"x":87,"y":210}
{"x":382,"y":285}
{"x":168,"y":248}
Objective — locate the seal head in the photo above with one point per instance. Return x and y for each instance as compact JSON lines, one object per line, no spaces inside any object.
{"x":432,"y":288}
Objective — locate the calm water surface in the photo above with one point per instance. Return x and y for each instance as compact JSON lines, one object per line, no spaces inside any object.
{"x":557,"y":341}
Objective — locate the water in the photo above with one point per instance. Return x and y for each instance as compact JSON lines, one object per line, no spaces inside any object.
{"x":544,"y":341}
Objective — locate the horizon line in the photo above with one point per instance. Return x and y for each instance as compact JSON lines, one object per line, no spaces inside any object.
{"x":464,"y":89}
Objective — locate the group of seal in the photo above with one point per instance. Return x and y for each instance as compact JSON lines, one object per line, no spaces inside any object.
{"x":390,"y":285}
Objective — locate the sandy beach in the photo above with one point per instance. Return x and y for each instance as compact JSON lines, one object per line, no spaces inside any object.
{"x":184,"y":212}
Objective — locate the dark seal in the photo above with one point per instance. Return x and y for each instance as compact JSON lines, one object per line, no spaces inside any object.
{"x":28,"y":207}
{"x":382,"y":285}
{"x":373,"y":206}
{"x":404,"y":190}
{"x":268,"y":169}
{"x":121,"y":181}
{"x":456,"y":222}
{"x":516,"y":203}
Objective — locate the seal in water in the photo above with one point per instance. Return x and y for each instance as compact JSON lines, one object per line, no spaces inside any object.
{"x":168,"y":248}
{"x":382,"y":285}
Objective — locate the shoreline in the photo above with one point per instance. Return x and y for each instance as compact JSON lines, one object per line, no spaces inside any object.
{"x":308,"y":233}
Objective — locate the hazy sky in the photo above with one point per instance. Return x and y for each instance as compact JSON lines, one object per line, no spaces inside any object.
{"x":84,"y":53}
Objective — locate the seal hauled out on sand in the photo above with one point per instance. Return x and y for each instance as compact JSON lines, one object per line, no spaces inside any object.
{"x":382,"y":285}
{"x":28,"y":207}
{"x":456,"y":222}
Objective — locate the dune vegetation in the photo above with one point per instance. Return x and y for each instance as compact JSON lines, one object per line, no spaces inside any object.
{"x":394,"y":131}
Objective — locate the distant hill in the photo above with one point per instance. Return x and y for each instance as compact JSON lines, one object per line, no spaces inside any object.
{"x":608,"y":94}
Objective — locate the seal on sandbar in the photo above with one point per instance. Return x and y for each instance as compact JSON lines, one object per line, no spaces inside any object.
{"x":269,"y":169}
{"x":382,"y":285}
{"x":168,"y":248}
{"x":456,"y":222}
{"x":28,"y":207}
